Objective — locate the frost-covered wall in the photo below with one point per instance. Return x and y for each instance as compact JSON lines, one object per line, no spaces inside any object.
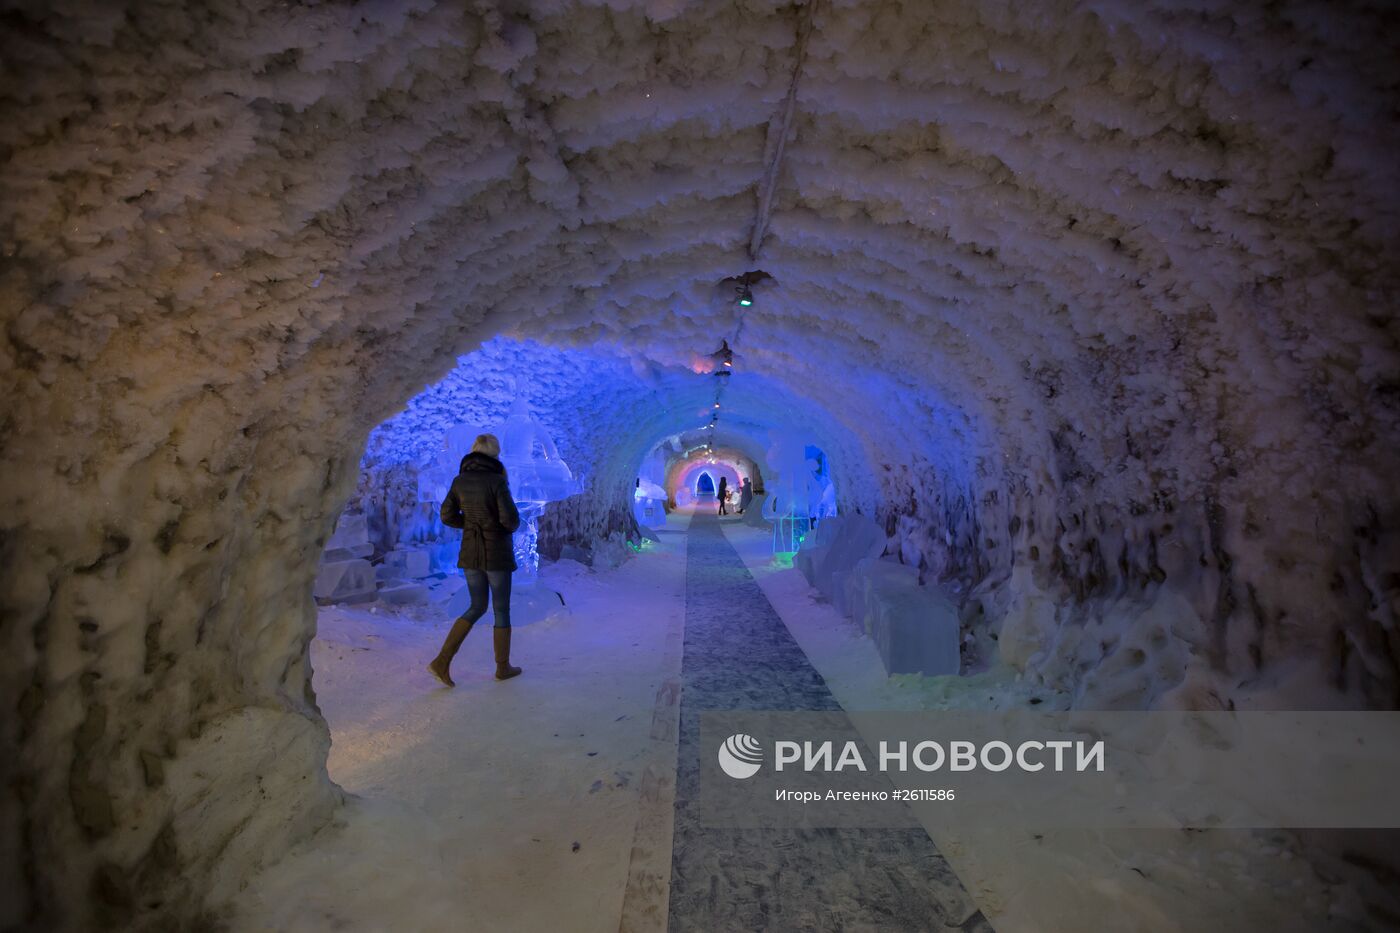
{"x":1097,"y":297}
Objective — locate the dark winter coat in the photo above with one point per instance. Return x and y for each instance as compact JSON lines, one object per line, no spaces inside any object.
{"x":479,"y":503}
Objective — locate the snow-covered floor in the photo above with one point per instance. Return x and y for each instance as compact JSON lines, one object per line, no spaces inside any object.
{"x":494,"y":805}
{"x":1091,"y":880}
{"x":544,"y":802}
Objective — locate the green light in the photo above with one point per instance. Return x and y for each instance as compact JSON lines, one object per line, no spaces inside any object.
{"x":745,"y":302}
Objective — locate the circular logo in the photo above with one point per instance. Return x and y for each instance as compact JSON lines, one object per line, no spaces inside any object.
{"x":741,"y":756}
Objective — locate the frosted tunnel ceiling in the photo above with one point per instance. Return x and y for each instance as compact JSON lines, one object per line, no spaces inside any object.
{"x":1073,"y":218}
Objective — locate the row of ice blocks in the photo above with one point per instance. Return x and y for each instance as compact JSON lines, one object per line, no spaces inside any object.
{"x":915,"y":628}
{"x":408,"y":564}
{"x":397,"y":571}
{"x":357,"y":580}
{"x":345,"y":581}
{"x":351,"y":537}
{"x":344,"y":575}
{"x":835,"y":546}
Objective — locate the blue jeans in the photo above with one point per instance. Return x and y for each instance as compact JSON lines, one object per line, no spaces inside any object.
{"x":498,"y":584}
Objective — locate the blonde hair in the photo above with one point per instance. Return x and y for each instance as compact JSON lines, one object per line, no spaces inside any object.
{"x":486,"y":444}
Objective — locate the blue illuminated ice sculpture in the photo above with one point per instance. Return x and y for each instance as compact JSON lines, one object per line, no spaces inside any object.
{"x":821,"y":494}
{"x":788,"y":506}
{"x":537,"y":475}
{"x":534,"y":468}
{"x":435,"y":478}
{"x":649,"y":504}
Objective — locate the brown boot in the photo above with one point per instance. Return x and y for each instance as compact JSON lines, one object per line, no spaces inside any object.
{"x":439,"y":665}
{"x":503,"y":669}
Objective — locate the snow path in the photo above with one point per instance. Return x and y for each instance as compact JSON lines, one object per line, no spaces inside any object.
{"x":740,"y":655}
{"x":469,"y":802}
{"x":1024,"y":882}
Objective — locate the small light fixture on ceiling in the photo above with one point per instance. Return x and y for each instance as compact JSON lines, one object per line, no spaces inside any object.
{"x":743,"y":285}
{"x":716,"y":404}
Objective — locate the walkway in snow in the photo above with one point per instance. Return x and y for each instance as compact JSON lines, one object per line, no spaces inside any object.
{"x":495,"y":806}
{"x":738,"y":654}
{"x":468,"y":803}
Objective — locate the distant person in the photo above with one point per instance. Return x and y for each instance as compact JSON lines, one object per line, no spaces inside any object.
{"x":480,"y":504}
{"x":745,"y":494}
{"x":723,"y":493}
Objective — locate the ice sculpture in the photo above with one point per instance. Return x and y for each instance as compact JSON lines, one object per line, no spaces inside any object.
{"x":437,"y":474}
{"x":788,"y":506}
{"x":536,"y":472}
{"x":435,"y":477}
{"x":649,"y":504}
{"x":802,"y":496}
{"x":821,"y":494}
{"x":537,"y":475}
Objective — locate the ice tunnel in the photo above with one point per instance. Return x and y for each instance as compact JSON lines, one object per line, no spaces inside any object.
{"x":1057,"y":342}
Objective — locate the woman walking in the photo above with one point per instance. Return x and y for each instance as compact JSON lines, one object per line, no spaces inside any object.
{"x":723,"y":493}
{"x":479,"y":503}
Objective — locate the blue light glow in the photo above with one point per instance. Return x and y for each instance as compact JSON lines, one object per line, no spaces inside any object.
{"x":605,"y":411}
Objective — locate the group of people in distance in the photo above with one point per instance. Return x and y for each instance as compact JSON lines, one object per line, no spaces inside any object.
{"x":724,"y":493}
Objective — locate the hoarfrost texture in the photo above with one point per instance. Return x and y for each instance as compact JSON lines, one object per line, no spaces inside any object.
{"x":1091,"y":305}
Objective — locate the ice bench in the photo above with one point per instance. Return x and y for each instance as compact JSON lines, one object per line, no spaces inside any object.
{"x":830,"y":552}
{"x":915,"y":628}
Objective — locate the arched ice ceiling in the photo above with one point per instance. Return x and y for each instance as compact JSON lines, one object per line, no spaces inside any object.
{"x":1142,"y":227}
